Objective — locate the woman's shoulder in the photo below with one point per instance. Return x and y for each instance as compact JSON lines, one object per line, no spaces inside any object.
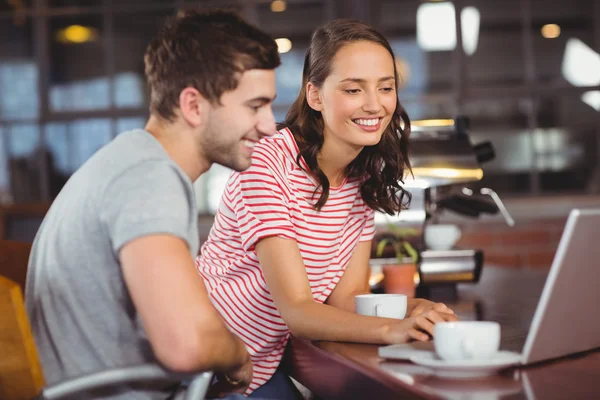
{"x":277,"y":150}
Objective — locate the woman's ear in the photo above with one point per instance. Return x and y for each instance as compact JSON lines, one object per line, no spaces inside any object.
{"x":313,"y":97}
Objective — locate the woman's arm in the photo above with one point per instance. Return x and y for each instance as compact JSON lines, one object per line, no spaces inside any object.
{"x":356,"y":281}
{"x":286,"y":278}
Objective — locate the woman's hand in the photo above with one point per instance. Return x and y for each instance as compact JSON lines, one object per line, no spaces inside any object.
{"x":418,"y":327}
{"x":420,"y":306}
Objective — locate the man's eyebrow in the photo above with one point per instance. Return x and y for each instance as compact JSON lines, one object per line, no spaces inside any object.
{"x":261,"y":100}
{"x":360,"y":80}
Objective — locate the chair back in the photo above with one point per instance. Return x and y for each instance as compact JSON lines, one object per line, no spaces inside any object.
{"x":21,"y":376}
{"x":14,"y":257}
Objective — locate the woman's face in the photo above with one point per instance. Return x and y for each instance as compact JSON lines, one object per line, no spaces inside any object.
{"x":358,"y":98}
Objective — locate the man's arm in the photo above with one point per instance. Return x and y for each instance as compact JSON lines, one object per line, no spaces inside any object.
{"x":186,"y":332}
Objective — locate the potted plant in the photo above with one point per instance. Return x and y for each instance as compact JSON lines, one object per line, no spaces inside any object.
{"x":402,"y":276}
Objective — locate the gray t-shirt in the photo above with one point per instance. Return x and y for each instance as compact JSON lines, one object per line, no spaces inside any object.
{"x":82,"y":316}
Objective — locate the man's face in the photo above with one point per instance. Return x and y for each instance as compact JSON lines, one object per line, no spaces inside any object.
{"x":240,"y":121}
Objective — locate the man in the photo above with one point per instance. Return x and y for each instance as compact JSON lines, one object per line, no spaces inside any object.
{"x":111,"y":279}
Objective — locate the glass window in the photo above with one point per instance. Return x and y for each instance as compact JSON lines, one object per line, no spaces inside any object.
{"x":503,"y":122}
{"x":24,"y":175}
{"x":566,"y":144}
{"x":78,"y":79}
{"x":288,"y":77}
{"x":58,"y":147}
{"x":498,"y":57}
{"x":130,"y":123}
{"x":562,"y":40}
{"x":70,"y":144}
{"x":4,"y":178}
{"x":130,"y":90}
{"x":18,"y":72}
{"x":422,"y":69}
{"x":133,"y":32}
{"x":23,"y":140}
{"x":58,"y":160}
{"x":209,"y":188}
{"x":87,"y":136}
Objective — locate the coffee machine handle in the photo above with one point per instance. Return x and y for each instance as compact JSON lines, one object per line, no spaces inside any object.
{"x":489,"y":192}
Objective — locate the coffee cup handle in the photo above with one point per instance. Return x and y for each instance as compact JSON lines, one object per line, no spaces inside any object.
{"x":378,"y":310}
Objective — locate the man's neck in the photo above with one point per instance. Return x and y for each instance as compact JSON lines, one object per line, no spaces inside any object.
{"x":179,"y":142}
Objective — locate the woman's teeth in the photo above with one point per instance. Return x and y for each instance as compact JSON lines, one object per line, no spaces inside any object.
{"x":367,"y":122}
{"x":248,"y":143}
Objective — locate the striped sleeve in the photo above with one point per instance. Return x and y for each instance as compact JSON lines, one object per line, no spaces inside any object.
{"x":260,"y":203}
{"x":368,"y":231}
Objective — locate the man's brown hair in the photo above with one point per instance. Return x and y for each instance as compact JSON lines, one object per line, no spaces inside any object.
{"x":207,"y":50}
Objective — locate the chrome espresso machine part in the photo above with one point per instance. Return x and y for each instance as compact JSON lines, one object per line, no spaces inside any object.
{"x":443,"y":161}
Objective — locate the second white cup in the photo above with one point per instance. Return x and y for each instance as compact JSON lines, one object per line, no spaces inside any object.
{"x":466,"y":340}
{"x":381,"y":305}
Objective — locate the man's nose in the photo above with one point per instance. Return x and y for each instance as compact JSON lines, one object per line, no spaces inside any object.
{"x":266,"y":124}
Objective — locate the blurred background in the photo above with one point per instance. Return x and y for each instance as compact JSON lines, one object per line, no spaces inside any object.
{"x":526,"y":73}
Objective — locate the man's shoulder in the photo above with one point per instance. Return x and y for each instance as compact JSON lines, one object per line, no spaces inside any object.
{"x":133,"y":147}
{"x":135,"y":155}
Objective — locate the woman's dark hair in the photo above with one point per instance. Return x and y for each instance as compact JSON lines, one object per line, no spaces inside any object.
{"x":380,"y":167}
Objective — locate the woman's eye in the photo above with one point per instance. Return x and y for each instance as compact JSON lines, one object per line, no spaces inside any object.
{"x":388,"y":89}
{"x":352,"y":91}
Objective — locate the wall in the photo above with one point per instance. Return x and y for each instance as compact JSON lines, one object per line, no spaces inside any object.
{"x":528,"y":244}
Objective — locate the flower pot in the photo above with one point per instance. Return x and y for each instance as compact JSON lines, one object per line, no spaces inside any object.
{"x":400,"y":279}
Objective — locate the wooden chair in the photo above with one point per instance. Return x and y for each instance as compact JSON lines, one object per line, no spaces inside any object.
{"x":21,"y":374}
{"x":13,"y":261}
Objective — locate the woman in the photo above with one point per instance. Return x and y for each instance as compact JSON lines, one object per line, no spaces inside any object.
{"x":291,"y":242}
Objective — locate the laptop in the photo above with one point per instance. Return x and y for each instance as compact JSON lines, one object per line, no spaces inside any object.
{"x":566,"y":320}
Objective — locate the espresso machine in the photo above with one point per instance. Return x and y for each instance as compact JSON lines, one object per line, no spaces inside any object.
{"x":444,"y":165}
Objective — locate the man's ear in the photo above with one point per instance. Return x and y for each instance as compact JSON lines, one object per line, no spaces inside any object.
{"x":193,"y":106}
{"x":313,"y":97}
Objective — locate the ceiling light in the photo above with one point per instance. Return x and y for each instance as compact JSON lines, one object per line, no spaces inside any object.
{"x":76,"y":34}
{"x":469,"y":21}
{"x":433,"y":122}
{"x":550,"y":31}
{"x":283,"y":45}
{"x":592,"y":99}
{"x":278,"y":6}
{"x":581,"y":64}
{"x":436,"y":27}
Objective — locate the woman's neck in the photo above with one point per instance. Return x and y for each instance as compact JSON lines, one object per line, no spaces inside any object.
{"x":333,"y":159}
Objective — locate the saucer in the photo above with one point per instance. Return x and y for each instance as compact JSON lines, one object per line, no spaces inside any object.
{"x":463,"y":369}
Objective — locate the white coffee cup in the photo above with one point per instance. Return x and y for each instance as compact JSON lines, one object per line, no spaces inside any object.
{"x":466,"y":340}
{"x":441,"y":237}
{"x":381,"y":305}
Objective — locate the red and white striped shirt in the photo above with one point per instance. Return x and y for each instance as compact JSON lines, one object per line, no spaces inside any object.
{"x":274,"y":197}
